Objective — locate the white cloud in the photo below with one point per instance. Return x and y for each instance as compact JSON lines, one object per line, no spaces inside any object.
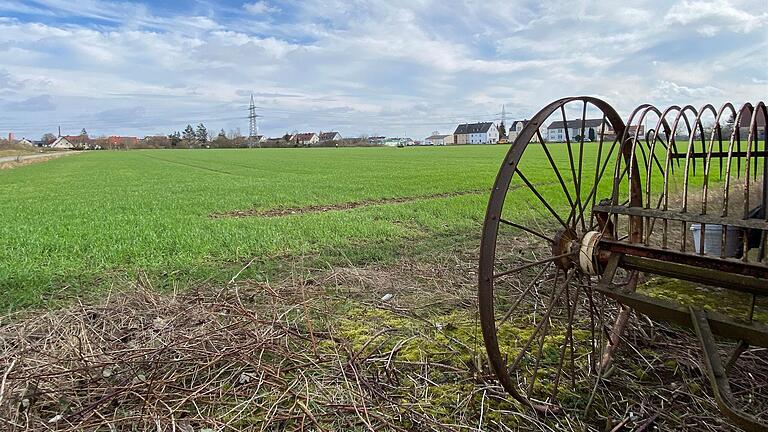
{"x":369,"y":66}
{"x":260,"y":7}
{"x":714,"y":16}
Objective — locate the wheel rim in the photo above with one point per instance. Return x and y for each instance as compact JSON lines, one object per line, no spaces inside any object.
{"x":537,"y":312}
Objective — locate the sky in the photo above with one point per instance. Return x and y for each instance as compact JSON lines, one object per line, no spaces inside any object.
{"x":395,"y":68}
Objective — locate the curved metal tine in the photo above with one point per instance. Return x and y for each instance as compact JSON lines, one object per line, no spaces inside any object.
{"x":751,"y":137}
{"x":688,"y":156}
{"x":545,"y":318}
{"x":672,"y":149}
{"x":652,"y":222}
{"x":717,"y":133}
{"x":764,"y":234}
{"x":637,"y":143}
{"x":735,"y":140}
{"x":520,"y":297}
{"x":535,"y":191}
{"x":705,"y":161}
{"x":718,"y":378}
{"x":598,"y":174}
{"x":652,"y":152}
{"x":686,"y":172}
{"x":651,"y":139}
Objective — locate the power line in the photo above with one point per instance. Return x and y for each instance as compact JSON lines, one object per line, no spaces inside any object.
{"x":253,"y":124}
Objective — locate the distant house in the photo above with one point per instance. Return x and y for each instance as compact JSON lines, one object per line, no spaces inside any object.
{"x":122,"y":142}
{"x":558,"y":131}
{"x":25,"y":141}
{"x":631,"y":131}
{"x":63,"y":143}
{"x":329,"y":136}
{"x":744,"y":123}
{"x":476,"y":133}
{"x":305,"y":139}
{"x":398,"y":142}
{"x":376,"y":140}
{"x":438,"y":140}
{"x":515,"y":128}
{"x":78,"y":141}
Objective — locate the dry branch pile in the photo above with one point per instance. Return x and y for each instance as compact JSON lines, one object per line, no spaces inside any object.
{"x":186,"y":362}
{"x":320,"y":352}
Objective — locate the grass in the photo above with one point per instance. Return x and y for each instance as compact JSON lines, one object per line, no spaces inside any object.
{"x":77,"y":224}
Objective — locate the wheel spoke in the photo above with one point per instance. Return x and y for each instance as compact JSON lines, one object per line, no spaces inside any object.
{"x":526,"y":229}
{"x":593,"y":192}
{"x":545,"y":318}
{"x":535,"y":191}
{"x":581,"y":160}
{"x":570,"y":313}
{"x":533,"y":264}
{"x":568,"y":145}
{"x":555,"y":169}
{"x":523,"y":294}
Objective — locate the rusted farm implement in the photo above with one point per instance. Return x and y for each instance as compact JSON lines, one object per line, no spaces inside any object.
{"x":680,"y":194}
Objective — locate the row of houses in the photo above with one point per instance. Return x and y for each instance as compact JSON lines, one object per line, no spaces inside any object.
{"x":490,"y":133}
{"x":84,"y":142}
{"x":311,"y":138}
{"x":477,"y":133}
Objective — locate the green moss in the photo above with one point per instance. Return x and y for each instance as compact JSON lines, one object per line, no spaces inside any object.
{"x":728,"y":302}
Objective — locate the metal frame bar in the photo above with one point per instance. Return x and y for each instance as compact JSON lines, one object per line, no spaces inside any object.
{"x":718,"y":377}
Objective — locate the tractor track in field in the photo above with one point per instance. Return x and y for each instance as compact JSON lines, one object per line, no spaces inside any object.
{"x":322,"y":208}
{"x":192,"y":166}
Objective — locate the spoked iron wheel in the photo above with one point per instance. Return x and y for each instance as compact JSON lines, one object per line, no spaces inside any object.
{"x":544,"y":331}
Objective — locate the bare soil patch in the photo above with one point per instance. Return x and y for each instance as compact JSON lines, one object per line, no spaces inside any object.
{"x":279,"y":212}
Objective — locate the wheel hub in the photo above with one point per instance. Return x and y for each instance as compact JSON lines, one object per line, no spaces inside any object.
{"x":572,"y":249}
{"x":566,"y":242}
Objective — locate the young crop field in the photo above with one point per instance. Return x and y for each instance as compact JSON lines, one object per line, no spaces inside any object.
{"x":77,"y":224}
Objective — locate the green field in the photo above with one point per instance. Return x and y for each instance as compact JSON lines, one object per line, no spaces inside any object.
{"x":80,"y":222}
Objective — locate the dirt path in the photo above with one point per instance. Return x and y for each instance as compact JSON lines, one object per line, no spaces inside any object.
{"x":14,"y":161}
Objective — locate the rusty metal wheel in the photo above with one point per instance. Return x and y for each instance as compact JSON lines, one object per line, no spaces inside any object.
{"x":544,"y":331}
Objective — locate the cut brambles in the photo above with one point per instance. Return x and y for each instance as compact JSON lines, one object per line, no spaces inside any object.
{"x":320,"y":344}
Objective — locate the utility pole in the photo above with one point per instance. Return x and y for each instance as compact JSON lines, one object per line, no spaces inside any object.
{"x":253,"y":124}
{"x":503,"y":114}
